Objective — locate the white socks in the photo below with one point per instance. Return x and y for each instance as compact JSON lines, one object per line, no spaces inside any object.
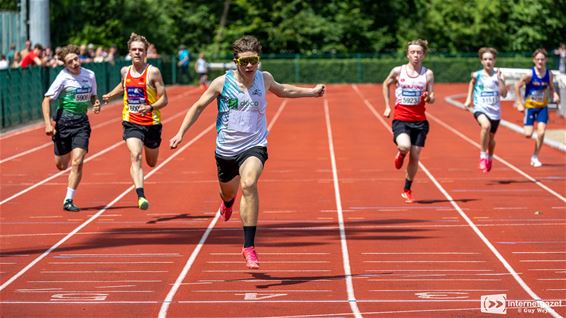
{"x":70,"y":194}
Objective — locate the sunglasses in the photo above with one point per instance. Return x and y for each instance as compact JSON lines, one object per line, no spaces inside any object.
{"x":243,"y":61}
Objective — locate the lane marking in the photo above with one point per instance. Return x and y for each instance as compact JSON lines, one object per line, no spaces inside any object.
{"x":100,"y":212}
{"x":478,"y":232}
{"x":88,"y":159}
{"x":190,"y":261}
{"x":343,"y":239}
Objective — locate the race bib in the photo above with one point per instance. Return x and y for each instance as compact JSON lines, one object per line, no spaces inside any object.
{"x":489,"y":98}
{"x":410,"y":96}
{"x":136,"y":98}
{"x":82,"y":94}
{"x":243,"y":121}
{"x":538,"y":96}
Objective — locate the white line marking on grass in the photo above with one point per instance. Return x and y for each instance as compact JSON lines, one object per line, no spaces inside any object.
{"x":99,"y":213}
{"x":479,"y":233}
{"x":343,"y":239}
{"x":175,"y":287}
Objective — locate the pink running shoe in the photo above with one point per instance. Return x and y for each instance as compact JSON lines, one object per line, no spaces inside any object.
{"x":488,"y":165}
{"x":225,"y":212}
{"x":399,"y":160}
{"x":483,"y":165}
{"x":251,"y":257}
{"x":408,"y":196}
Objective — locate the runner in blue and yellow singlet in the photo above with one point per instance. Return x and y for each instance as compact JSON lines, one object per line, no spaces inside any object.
{"x":241,"y":142}
{"x":539,"y":88}
{"x":75,"y":87}
{"x":144,"y":97}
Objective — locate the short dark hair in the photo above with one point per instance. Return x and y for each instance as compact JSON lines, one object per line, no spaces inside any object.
{"x":247,"y":43}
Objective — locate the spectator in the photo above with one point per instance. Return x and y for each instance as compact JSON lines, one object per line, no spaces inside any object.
{"x":561,"y":55}
{"x":17,"y":60}
{"x":84,"y":57}
{"x":112,"y":52}
{"x":56,"y":60}
{"x":183,"y":64}
{"x":152,"y":52}
{"x":201,"y":67}
{"x":99,"y":55}
{"x":33,"y":57}
{"x":11,"y":53}
{"x":4,"y":64}
{"x":26,"y":49}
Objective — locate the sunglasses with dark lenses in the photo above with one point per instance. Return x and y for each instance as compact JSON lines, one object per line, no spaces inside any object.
{"x":243,"y":61}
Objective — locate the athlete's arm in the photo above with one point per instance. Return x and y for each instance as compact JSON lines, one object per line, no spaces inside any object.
{"x":519,"y":102}
{"x":429,"y":93}
{"x":390,"y":79}
{"x":46,"y":109}
{"x":468,"y":102}
{"x":292,"y":91}
{"x":211,"y":93}
{"x":119,"y":89}
{"x":156,"y":80}
{"x":95,"y":104}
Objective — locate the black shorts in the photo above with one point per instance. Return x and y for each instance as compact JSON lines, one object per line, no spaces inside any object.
{"x":229,"y":167}
{"x":417,"y":131}
{"x":71,"y":131}
{"x":149,"y":135}
{"x":494,"y":123}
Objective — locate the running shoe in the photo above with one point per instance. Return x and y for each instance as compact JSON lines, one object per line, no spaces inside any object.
{"x":399,"y":160}
{"x":225,"y":212}
{"x":488,"y":165}
{"x":251,"y":257}
{"x":483,"y":165}
{"x":535,"y":162}
{"x":408,"y":196}
{"x":143,"y":204}
{"x":70,"y":206}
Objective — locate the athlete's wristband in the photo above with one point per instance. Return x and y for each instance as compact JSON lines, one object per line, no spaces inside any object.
{"x":151,"y":108}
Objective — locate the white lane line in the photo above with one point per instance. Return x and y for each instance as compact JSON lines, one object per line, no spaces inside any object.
{"x":117,"y":255}
{"x":439,"y":290}
{"x":479,"y":233}
{"x":89,"y":291}
{"x":437,"y":280}
{"x":271,"y":271}
{"x":516,"y":128}
{"x":99,"y":272}
{"x":97,"y":281}
{"x":540,"y":252}
{"x":274,"y":254}
{"x":270,"y":262}
{"x":98,"y":263}
{"x":503,"y":161}
{"x":343,"y":239}
{"x":89,"y":158}
{"x":100,"y":212}
{"x":422,"y":253}
{"x":175,"y":287}
{"x":255,"y":291}
{"x":424,"y":262}
{"x":429,"y":270}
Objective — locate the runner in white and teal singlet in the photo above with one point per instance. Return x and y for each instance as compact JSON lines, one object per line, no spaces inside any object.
{"x":486,"y":95}
{"x":241,"y":122}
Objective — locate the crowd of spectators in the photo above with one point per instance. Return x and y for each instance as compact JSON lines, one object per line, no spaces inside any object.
{"x":38,"y":55}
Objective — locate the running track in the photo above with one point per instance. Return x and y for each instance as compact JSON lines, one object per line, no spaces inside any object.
{"x":335,"y":239}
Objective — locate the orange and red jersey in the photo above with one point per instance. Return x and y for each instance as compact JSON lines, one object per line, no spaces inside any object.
{"x":138,"y":92}
{"x":409,"y":103}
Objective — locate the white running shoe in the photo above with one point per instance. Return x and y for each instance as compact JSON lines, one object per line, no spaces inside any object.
{"x":535,"y":162}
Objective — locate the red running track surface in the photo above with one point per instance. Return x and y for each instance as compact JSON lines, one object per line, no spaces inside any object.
{"x":334,"y":240}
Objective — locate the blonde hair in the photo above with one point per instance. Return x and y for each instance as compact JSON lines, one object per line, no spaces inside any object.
{"x":138,"y":38}
{"x":487,"y":50}
{"x":419,"y":42}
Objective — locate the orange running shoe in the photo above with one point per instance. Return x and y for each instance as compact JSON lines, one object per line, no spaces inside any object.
{"x":225,"y":212}
{"x":399,"y":160}
{"x":251,"y":257}
{"x":408,"y":196}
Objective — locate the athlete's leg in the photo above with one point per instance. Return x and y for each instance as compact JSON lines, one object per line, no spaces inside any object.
{"x":250,"y":172}
{"x":135,"y":146}
{"x":228,"y":190}
{"x":413,"y":164}
{"x":75,"y":176}
{"x":403,"y":143}
{"x":541,"y":130}
{"x":151,"y":156}
{"x":528,"y":130}
{"x":485,"y":125}
{"x":62,"y":162}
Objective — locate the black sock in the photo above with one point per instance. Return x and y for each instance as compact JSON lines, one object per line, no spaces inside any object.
{"x":140,"y":193}
{"x":249,"y":236}
{"x":229,"y":204}
{"x":408,"y":184}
